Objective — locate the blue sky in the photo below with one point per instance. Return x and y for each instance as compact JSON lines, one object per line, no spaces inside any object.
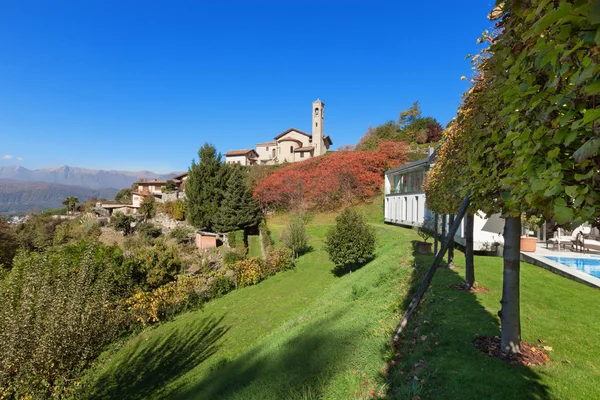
{"x":143,"y":84}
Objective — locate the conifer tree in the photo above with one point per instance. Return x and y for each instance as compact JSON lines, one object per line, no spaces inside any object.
{"x":239,"y":210}
{"x":204,"y":188}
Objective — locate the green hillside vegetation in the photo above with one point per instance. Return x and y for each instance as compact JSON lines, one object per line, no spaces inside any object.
{"x":307,"y":334}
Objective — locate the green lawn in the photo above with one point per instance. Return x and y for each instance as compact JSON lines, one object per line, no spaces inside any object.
{"x":306,"y":334}
{"x":254,"y":246}
{"x":564,"y":314}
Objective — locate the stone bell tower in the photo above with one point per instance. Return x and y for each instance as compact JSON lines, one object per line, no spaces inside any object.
{"x":318,"y":108}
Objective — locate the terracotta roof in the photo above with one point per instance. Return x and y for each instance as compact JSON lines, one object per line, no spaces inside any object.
{"x":239,"y":152}
{"x":290,"y":130}
{"x":180,"y":176}
{"x":145,"y":182}
{"x":266,"y":144}
{"x":301,"y":149}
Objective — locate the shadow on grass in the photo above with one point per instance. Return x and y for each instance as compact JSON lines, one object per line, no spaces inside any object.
{"x":297,"y":368}
{"x":145,"y":371}
{"x":342,"y":270}
{"x":437,"y":358}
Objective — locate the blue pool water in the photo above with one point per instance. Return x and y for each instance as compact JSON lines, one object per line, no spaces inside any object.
{"x":590,"y":266}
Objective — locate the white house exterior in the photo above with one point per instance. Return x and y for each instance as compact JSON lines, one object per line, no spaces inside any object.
{"x":405,"y":205}
{"x":242,"y":157}
{"x":292,"y":145}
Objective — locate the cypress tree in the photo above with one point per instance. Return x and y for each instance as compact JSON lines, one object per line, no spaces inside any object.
{"x":204,"y":188}
{"x":238,"y":210}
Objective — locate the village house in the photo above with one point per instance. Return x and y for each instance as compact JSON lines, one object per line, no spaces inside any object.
{"x":292,"y":145}
{"x":158,"y":189}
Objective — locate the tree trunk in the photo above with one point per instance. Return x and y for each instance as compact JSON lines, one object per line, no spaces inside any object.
{"x":469,"y":265}
{"x":451,"y":243}
{"x":435,"y":234}
{"x":443,"y":238}
{"x":510,"y":313}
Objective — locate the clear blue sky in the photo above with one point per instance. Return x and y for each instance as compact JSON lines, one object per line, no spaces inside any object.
{"x":143,"y":84}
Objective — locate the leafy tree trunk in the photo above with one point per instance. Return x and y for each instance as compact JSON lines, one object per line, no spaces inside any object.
{"x":451,"y":243}
{"x":469,"y":265}
{"x":435,"y":234}
{"x":510,"y":313}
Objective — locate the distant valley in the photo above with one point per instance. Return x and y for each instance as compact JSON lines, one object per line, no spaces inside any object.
{"x":25,"y":190}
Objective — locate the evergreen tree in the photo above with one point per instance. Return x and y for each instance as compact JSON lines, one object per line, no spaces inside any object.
{"x":204,"y":188}
{"x":238,"y":210}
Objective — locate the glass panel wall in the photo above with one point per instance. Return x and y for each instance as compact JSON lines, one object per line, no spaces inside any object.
{"x":408,"y":182}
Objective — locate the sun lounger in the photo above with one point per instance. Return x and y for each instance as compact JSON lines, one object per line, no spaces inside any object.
{"x":589,"y":242}
{"x":561,"y":239}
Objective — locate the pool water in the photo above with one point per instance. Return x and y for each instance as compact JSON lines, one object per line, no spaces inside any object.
{"x":590,"y":266}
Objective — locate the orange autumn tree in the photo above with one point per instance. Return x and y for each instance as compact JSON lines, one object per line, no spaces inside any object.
{"x":330,"y":181}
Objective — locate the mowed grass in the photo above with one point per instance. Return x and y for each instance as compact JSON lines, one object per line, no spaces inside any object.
{"x":555,"y":312}
{"x":303,"y":333}
{"x":306,"y":334}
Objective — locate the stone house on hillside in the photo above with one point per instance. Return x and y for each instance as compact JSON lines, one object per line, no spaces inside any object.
{"x":292,"y":145}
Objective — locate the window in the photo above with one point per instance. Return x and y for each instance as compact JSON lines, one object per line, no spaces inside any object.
{"x":301,"y":154}
{"x":316,"y":124}
{"x":291,"y":149}
{"x":267,"y":148}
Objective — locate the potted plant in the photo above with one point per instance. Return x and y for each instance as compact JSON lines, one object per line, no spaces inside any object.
{"x":528,"y":243}
{"x":425,"y":231}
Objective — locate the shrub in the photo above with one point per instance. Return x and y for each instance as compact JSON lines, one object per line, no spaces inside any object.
{"x":57,"y":316}
{"x":249,"y":272}
{"x":426,"y":230}
{"x":232,"y":256}
{"x":8,"y":243}
{"x":166,"y":301}
{"x":157,"y":265}
{"x":148,"y":207}
{"x":278,"y":260}
{"x":295,"y":237}
{"x":221,"y":286}
{"x":123,"y":223}
{"x":148,"y":231}
{"x":174,"y":209}
{"x":181,"y":234}
{"x":351,"y":241}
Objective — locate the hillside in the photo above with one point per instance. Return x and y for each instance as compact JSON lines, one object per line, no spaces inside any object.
{"x":307,"y":334}
{"x":31,"y":196}
{"x":75,"y":176}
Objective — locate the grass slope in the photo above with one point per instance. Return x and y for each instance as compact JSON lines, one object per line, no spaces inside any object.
{"x":305,"y":334}
{"x":439,"y":349}
{"x":300,"y":334}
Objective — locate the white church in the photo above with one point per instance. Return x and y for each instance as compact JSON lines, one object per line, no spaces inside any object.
{"x":292,"y":145}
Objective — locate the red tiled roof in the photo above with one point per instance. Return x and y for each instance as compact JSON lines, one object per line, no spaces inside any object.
{"x":290,"y":130}
{"x":301,"y":149}
{"x":239,"y":152}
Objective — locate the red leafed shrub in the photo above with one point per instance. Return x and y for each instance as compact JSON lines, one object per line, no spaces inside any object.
{"x":329,"y":181}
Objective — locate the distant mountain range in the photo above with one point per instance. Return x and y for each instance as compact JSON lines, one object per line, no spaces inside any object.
{"x":18,"y":197}
{"x":89,"y":178}
{"x":23,"y":190}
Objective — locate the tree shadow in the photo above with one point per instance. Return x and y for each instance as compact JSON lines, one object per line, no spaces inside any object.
{"x":149,"y":368}
{"x":342,"y":270}
{"x":437,"y":357}
{"x":299,"y":367}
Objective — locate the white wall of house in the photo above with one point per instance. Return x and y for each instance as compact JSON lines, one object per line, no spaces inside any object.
{"x":286,"y":149}
{"x":242,"y":160}
{"x":136,"y":200}
{"x":265,"y":152}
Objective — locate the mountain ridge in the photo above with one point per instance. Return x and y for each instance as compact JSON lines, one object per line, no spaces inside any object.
{"x":78,"y":176}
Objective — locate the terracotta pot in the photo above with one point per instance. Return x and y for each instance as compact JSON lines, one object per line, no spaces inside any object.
{"x":528,"y":244}
{"x":424,"y":247}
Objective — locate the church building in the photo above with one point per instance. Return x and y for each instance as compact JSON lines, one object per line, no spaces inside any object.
{"x":292,"y":145}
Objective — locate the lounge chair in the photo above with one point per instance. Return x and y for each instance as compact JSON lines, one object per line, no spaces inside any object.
{"x":588,"y":241}
{"x":561,"y":239}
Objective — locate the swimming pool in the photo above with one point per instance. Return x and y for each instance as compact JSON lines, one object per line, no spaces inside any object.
{"x":590,"y":266}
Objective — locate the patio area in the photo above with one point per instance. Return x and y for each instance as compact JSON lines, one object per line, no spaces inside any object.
{"x":539,"y":258}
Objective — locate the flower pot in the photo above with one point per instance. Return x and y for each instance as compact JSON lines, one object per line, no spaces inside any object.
{"x":528,"y":244}
{"x":424,"y":247}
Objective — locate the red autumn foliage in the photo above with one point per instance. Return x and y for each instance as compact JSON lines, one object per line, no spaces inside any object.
{"x":330,"y":181}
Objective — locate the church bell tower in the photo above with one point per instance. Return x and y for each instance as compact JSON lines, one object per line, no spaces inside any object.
{"x":318,"y":108}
